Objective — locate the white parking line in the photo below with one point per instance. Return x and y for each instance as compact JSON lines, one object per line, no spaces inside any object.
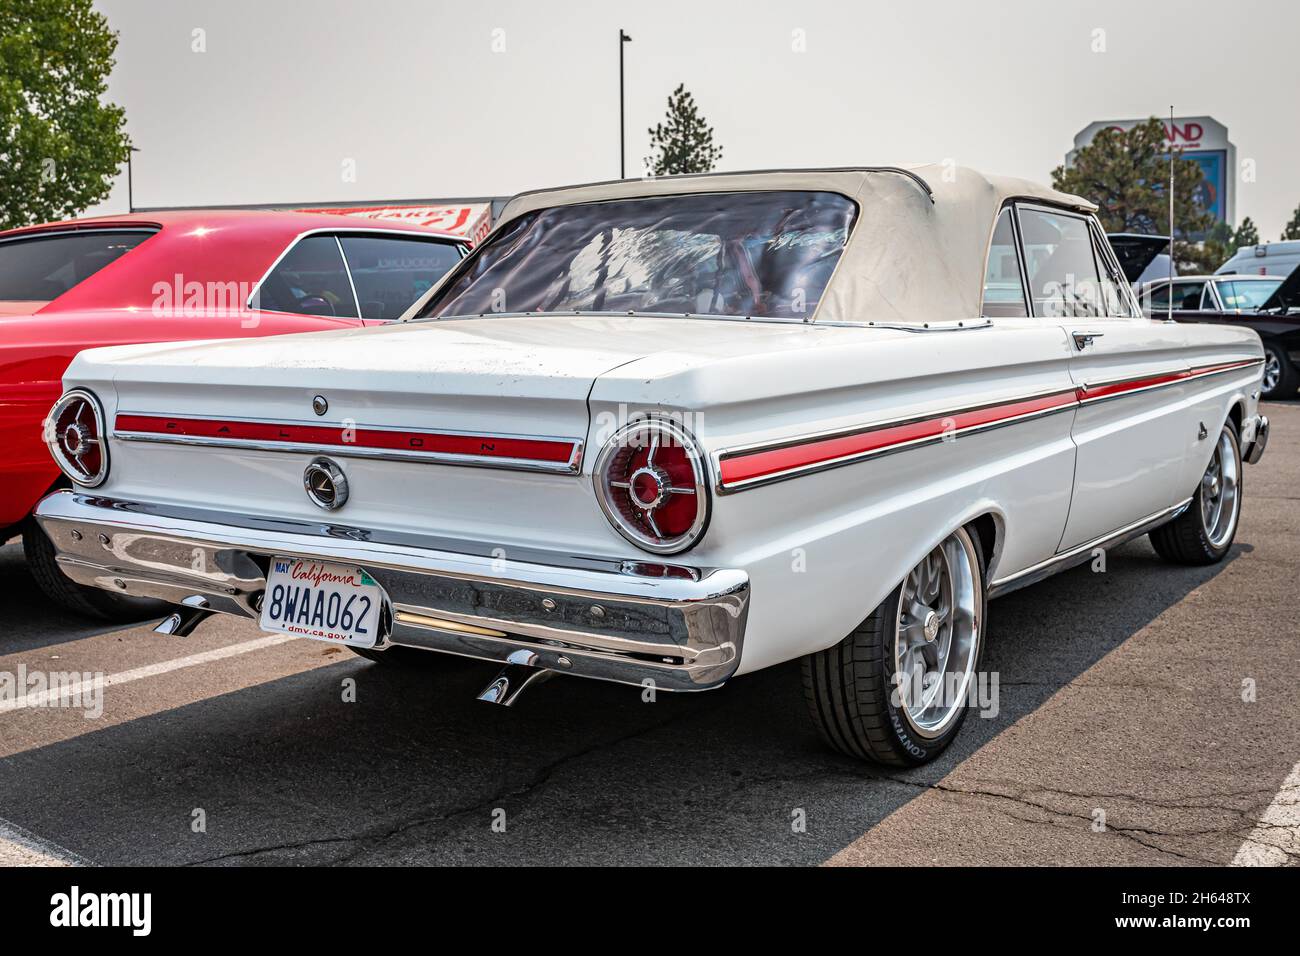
{"x":77,"y":688}
{"x":19,"y":847}
{"x":1276,"y":838}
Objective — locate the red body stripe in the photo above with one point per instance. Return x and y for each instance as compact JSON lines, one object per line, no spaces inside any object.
{"x":747,"y":466}
{"x":1116,"y":388}
{"x":760,"y":464}
{"x":478,"y":446}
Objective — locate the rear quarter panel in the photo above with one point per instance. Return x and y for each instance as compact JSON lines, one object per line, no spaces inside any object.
{"x":823,"y":549}
{"x":1212,"y":398}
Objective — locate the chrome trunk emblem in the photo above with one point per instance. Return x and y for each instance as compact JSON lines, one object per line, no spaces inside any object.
{"x":325,"y":483}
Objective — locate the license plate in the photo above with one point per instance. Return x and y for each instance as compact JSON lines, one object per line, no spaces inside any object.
{"x":326,"y":602}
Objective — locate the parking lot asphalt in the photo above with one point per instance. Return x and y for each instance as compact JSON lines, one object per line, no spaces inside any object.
{"x":1147,"y":714}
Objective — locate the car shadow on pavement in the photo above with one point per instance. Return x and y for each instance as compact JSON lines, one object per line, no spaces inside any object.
{"x":28,"y":619}
{"x":579,"y":772}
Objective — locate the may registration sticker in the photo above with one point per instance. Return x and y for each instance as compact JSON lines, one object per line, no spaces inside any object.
{"x":326,"y":602}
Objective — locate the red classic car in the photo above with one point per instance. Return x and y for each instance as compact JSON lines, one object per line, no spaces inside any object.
{"x":166,"y":277}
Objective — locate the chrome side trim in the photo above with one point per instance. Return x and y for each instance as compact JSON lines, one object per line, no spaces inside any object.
{"x":853,"y":459}
{"x":681,"y":632}
{"x":953,"y":326}
{"x":1080,"y":553}
{"x":814,"y":437}
{"x":1079,"y":399}
{"x":1097,"y":399}
{"x":572,"y":467}
{"x":1193,"y":373}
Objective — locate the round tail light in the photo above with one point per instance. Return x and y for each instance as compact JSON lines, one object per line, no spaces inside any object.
{"x":650,"y":481}
{"x":74,"y":432}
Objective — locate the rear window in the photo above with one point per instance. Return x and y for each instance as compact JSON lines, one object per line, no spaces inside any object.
{"x":41,"y":268}
{"x":390,"y":273}
{"x":760,"y":254}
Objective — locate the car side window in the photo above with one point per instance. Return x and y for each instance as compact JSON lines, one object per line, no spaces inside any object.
{"x":1208,"y":302}
{"x":391,"y":272}
{"x":1114,"y":298}
{"x":1004,"y":288}
{"x":1063,"y":278}
{"x":311,"y":279}
{"x":1187,"y":296}
{"x":1158,"y":298}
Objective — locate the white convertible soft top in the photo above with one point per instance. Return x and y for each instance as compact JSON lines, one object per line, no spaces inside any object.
{"x":917,"y":250}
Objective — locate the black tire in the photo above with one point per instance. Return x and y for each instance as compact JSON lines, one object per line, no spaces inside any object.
{"x":1186,"y":540}
{"x":849,"y":687}
{"x":88,"y":602}
{"x":1288,"y":378}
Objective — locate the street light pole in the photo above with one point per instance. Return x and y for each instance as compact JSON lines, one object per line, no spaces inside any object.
{"x":130,"y":188}
{"x":622,"y":169}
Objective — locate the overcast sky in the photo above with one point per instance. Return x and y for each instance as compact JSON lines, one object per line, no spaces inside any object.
{"x":431,"y":98}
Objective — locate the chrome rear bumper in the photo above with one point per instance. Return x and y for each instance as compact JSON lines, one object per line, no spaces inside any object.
{"x":630,"y":622}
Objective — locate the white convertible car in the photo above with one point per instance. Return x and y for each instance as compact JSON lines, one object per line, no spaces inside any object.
{"x":667,"y":432}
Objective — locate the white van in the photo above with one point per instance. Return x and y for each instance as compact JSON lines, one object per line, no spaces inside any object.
{"x":1266,"y":259}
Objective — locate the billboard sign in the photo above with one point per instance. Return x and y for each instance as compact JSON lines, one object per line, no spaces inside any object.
{"x":1203,"y":140}
{"x":472,"y":220}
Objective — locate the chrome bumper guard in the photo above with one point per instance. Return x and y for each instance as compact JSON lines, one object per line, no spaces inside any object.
{"x":631,"y":622}
{"x":1254,"y":449}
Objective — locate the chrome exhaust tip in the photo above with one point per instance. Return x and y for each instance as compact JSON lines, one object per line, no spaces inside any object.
{"x":520,"y":673}
{"x":192,"y":612}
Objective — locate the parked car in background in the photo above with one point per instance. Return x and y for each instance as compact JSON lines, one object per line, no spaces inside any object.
{"x":162,"y":277}
{"x":1266,"y":259}
{"x":1270,"y":305}
{"x":669,"y":431}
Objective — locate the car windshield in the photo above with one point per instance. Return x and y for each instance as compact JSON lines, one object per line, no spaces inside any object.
{"x":762,"y":254}
{"x":1246,"y":294}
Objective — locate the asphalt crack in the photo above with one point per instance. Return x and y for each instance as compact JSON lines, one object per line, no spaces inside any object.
{"x":373,"y":839}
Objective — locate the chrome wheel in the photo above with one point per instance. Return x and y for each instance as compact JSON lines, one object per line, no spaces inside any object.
{"x":1272,"y":371}
{"x":1220,"y":495}
{"x":937,"y":635}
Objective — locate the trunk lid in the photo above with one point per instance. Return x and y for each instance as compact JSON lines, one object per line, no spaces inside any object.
{"x":486,"y":389}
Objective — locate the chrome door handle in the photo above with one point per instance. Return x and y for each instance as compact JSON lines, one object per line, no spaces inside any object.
{"x":1083,"y":339}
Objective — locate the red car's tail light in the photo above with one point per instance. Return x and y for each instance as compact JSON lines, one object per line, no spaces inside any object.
{"x":651,"y":484}
{"x":74,"y":432}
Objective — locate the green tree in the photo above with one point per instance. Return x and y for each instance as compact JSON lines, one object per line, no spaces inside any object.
{"x":1246,"y":235}
{"x":684,"y":143}
{"x":1292,"y":230}
{"x":61,"y":144}
{"x":1215,"y":249}
{"x":1126,"y":173}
